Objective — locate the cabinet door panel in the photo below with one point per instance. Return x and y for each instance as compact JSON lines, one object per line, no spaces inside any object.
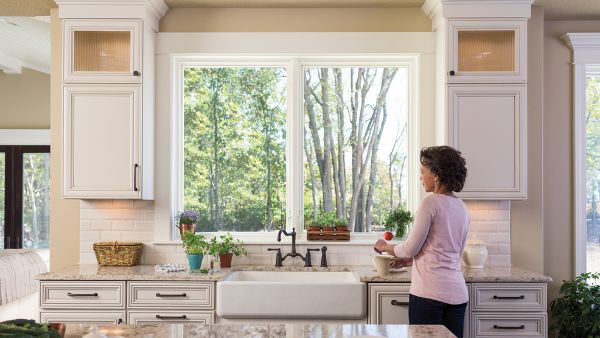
{"x":178,"y":295}
{"x":82,"y":317}
{"x":101,"y":141}
{"x":170,"y":317}
{"x":90,"y":295}
{"x":388,"y":303}
{"x":487,"y":124}
{"x":488,"y":325}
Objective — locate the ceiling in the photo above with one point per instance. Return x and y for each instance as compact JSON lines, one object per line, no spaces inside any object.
{"x":24,"y":42}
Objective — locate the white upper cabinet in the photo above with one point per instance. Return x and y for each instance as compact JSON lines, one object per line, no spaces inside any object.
{"x":490,"y":51}
{"x":102,"y":138}
{"x":487,"y":123}
{"x":102,"y":51}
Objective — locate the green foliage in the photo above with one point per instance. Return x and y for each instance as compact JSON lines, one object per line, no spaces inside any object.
{"x":194,"y":244}
{"x":397,"y":221}
{"x":225,"y":244}
{"x":576,"y":311}
{"x":27,"y":330}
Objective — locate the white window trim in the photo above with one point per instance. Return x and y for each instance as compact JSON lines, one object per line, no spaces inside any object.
{"x":586,"y":51}
{"x":25,"y":137}
{"x":175,"y":50}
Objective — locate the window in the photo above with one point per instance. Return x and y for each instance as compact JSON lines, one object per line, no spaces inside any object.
{"x":24,"y":196}
{"x":269,"y":144}
{"x":592,"y":133}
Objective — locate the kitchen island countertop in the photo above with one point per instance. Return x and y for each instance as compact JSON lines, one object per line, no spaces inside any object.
{"x":261,"y":330}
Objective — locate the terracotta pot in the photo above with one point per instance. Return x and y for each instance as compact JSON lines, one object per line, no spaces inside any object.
{"x":314,"y":228}
{"x":185,"y":228}
{"x":226,"y":260}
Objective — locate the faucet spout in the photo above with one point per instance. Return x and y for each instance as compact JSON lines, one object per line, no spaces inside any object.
{"x":279,"y":234}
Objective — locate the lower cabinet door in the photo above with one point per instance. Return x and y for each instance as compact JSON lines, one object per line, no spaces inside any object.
{"x":149,"y":317}
{"x":508,"y":325}
{"x":82,"y":317}
{"x":388,"y":303}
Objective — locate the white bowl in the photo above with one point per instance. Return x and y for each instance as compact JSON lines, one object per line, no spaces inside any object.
{"x":382,"y":264}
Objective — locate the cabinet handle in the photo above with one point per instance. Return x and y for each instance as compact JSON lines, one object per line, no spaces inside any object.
{"x":95,"y":294}
{"x":452,"y":73}
{"x":167,"y":295}
{"x":136,"y":73}
{"x":397,"y":303}
{"x":509,"y":297}
{"x":135,"y":169}
{"x":171,"y":317}
{"x":520,"y":327}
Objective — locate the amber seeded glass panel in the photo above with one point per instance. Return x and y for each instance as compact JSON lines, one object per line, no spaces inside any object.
{"x":486,"y":51}
{"x":102,"y":51}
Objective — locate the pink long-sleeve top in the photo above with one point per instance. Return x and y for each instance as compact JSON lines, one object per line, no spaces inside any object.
{"x":436,"y":243}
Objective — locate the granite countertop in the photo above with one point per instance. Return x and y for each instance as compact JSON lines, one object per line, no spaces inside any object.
{"x":262,"y":330}
{"x":366,"y":274}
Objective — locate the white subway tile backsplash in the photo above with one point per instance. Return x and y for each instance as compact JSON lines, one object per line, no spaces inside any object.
{"x":129,"y":220}
{"x":87,"y":258}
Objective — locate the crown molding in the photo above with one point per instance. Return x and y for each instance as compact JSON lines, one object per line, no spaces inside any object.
{"x":437,"y":10}
{"x":585,"y":46}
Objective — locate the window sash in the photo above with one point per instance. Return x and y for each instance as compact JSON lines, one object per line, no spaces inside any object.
{"x":294,"y":128}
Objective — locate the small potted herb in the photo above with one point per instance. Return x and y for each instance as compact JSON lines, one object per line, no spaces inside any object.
{"x":195,"y":246}
{"x":226,"y":247}
{"x":341,"y":224}
{"x":326,"y":220}
{"x":576,"y":311}
{"x":185,"y":221}
{"x":397,"y":222}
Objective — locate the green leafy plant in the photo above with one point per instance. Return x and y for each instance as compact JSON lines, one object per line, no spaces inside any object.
{"x":576,"y":311}
{"x":194,"y":244}
{"x":225,"y":244}
{"x":326,"y":219}
{"x":397,"y":221}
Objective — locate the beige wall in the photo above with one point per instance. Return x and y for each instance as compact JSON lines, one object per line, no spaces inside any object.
{"x":295,"y":20}
{"x":527,"y":217}
{"x":558,"y":150}
{"x":25,"y":100}
{"x":64,"y":214}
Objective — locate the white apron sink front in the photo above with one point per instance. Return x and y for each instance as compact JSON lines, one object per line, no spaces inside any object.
{"x":292,"y":294}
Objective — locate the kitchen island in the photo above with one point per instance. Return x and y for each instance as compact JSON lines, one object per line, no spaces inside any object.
{"x":261,"y":330}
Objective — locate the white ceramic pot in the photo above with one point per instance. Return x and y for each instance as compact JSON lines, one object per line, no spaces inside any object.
{"x":382,"y":264}
{"x":475,"y":255}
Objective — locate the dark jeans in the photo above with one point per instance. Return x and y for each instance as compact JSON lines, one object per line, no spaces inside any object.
{"x":425,"y":311}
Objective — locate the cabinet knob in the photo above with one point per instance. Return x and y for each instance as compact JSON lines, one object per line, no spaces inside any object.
{"x":136,"y":73}
{"x":452,"y":73}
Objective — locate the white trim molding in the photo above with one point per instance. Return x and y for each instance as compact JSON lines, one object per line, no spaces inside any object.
{"x":586,"y":50}
{"x":25,"y":137}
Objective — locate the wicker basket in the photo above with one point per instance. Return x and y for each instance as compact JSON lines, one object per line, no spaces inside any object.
{"x":118,"y":253}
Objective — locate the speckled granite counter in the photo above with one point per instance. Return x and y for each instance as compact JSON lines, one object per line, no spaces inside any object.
{"x":263,"y":330}
{"x":366,"y":274}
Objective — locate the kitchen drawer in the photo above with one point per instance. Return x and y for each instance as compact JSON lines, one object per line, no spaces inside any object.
{"x":176,"y":295}
{"x":508,"y":325}
{"x":388,"y":303}
{"x":82,"y":317}
{"x":509,"y":297}
{"x":82,"y":295}
{"x":153,"y":317}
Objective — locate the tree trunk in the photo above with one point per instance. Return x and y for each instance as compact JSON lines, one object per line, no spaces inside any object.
{"x":34,"y":208}
{"x":373,"y":173}
{"x":46,"y":197}
{"x":215,"y":179}
{"x":339,"y":89}
{"x":314,"y":131}
{"x":311,"y":170}
{"x":392,"y":159}
{"x":400,"y":180}
{"x":268,"y":156}
{"x":327,"y":138}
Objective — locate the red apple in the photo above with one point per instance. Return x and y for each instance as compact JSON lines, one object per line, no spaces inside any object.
{"x":388,"y":235}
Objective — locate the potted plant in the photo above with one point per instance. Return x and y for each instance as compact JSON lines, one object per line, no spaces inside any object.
{"x":326,"y":220}
{"x":226,"y":247}
{"x":195,"y":246}
{"x":397,"y":222}
{"x":341,"y":224}
{"x":185,"y":221}
{"x":576,"y":311}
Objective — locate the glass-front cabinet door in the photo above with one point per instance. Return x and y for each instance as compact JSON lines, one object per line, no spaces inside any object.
{"x":486,"y":51}
{"x":102,"y":51}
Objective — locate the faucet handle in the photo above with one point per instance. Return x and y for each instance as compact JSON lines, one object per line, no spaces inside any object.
{"x":278,"y":258}
{"x":308,"y":260}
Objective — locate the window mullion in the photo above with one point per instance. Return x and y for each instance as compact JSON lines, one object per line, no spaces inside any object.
{"x":295,"y":129}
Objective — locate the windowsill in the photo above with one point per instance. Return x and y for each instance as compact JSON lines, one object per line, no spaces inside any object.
{"x":299,"y":241}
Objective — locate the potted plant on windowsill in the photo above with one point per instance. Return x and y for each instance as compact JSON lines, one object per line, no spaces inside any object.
{"x":326,"y":220}
{"x":185,"y":221}
{"x":397,"y":222}
{"x":226,"y":247}
{"x":195,"y":246}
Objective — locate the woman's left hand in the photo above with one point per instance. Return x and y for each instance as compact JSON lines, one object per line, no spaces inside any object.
{"x":382,"y":246}
{"x":396,"y":263}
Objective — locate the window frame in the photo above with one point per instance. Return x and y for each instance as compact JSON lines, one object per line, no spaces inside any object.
{"x":586,"y":53}
{"x":14,"y":143}
{"x":294,"y":65}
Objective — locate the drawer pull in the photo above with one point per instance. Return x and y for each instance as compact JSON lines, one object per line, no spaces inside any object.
{"x":397,"y":303}
{"x":520,"y":327}
{"x":95,"y":294}
{"x":171,"y":295}
{"x":509,"y":297}
{"x":171,"y":317}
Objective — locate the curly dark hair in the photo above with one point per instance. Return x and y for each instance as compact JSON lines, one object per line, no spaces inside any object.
{"x":448,"y":164}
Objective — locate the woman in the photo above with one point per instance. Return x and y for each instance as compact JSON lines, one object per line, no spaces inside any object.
{"x":438,"y":293}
